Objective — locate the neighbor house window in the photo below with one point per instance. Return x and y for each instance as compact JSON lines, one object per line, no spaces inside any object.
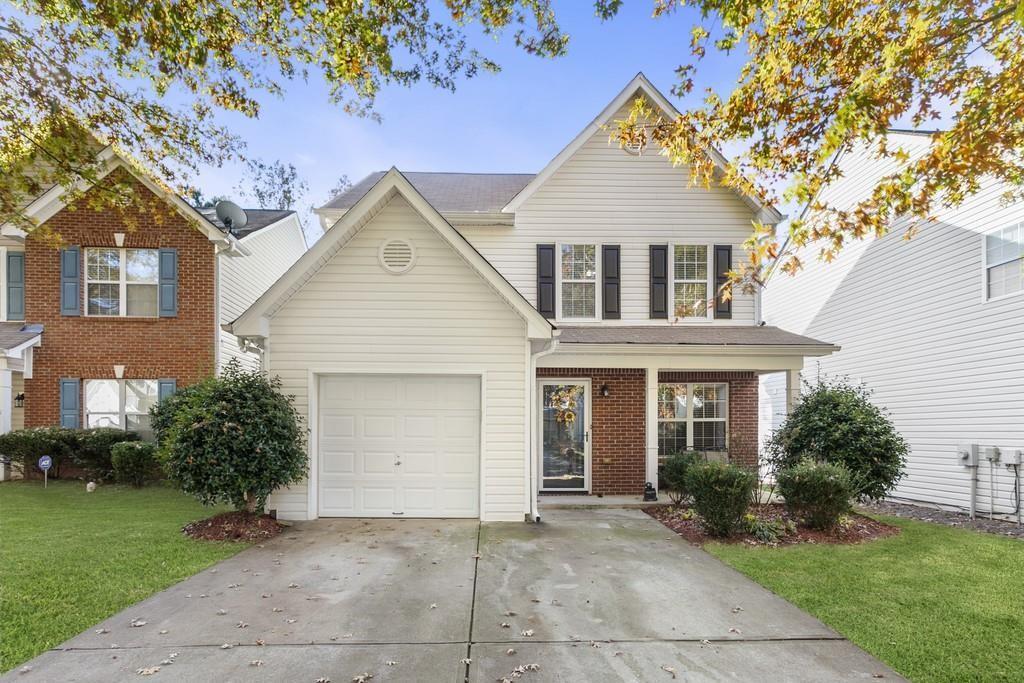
{"x":121,"y":282}
{"x":578,"y":281}
{"x":1004,"y":261}
{"x":120,"y":403}
{"x":692,"y":417}
{"x":690,"y":281}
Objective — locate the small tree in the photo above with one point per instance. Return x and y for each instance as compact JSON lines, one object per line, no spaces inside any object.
{"x":231,"y":439}
{"x":836,"y":422}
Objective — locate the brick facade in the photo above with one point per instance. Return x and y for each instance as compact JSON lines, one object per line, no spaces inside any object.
{"x":181,"y":348}
{"x":617,"y":442}
{"x":618,"y":437}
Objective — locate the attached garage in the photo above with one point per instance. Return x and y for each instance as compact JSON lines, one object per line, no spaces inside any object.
{"x":395,"y":445}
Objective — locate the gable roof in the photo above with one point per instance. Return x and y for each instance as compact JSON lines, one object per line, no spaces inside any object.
{"x":255,"y":322}
{"x":447,"y":192}
{"x":639,"y":85}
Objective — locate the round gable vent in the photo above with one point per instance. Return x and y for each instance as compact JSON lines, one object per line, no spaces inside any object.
{"x":397,"y":256}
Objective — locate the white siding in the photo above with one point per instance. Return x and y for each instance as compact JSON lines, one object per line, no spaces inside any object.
{"x":604,"y":195}
{"x":352,"y":314}
{"x":243,"y":279}
{"x":913,"y":325}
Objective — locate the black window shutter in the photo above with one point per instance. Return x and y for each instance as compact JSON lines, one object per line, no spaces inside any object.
{"x":611,"y":285}
{"x":659,"y":281}
{"x":723,"y":264}
{"x":546,"y":280}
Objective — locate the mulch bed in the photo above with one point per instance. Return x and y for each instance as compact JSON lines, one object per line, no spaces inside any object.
{"x":234,"y":526}
{"x":947,"y":517}
{"x":855,"y":529}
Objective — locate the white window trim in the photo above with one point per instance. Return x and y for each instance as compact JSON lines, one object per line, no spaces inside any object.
{"x":597,"y":282}
{"x":690,"y":420}
{"x":985,"y":265}
{"x":122,"y":283}
{"x":709,"y":314}
{"x":122,"y":392}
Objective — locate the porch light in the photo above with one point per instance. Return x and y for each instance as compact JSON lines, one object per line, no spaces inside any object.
{"x":605,"y":391}
{"x":19,"y":400}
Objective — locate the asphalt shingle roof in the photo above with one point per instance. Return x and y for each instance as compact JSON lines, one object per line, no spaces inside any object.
{"x":707,"y":335}
{"x":14,"y":334}
{"x":258,"y":219}
{"x":448,"y":192}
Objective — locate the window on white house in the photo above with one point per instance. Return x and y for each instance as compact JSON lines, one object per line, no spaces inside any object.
{"x":120,"y":403}
{"x":692,"y":417}
{"x":1004,"y":261}
{"x":690,"y":281}
{"x":121,"y":282}
{"x":578,"y":276}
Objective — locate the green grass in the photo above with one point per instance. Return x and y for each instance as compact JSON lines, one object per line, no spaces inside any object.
{"x":935,"y":603}
{"x":69,"y":559}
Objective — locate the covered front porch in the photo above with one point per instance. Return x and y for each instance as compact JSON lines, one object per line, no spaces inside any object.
{"x":611,"y":403}
{"x":17,"y":340}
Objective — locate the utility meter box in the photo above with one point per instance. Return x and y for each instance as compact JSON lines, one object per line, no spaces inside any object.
{"x":993,"y":454}
{"x":967,"y":453}
{"x":1012,"y":457}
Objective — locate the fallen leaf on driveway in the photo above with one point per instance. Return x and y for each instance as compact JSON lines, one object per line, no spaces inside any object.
{"x":293,"y":585}
{"x":147,"y":670}
{"x":256,"y":662}
{"x":510,"y":651}
{"x":510,"y":613}
{"x":164,"y":632}
{"x":528,"y":632}
{"x":391,"y":662}
{"x":505,"y":624}
{"x":25,"y":669}
{"x":669,"y":669}
{"x":136,"y":623}
{"x":226,"y":646}
{"x":261,"y":642}
{"x":737,"y":609}
{"x":361,"y":678}
{"x":222,"y":612}
{"x":241,"y":624}
{"x":734,"y":630}
{"x":101,"y":631}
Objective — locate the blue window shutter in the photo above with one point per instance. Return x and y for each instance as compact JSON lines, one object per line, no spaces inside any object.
{"x":165,"y":388}
{"x":168,"y":283}
{"x":70,"y":403}
{"x":15,"y":285}
{"x":70,"y":281}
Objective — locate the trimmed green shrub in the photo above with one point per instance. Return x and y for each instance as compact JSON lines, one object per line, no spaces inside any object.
{"x":672,"y":477}
{"x":836,"y":422}
{"x":93,"y":451}
{"x":231,"y":439}
{"x":134,"y":462}
{"x":25,"y":446}
{"x":818,"y":493}
{"x":721,"y":494}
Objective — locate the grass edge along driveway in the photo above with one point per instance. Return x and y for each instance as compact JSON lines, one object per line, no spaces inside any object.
{"x":69,"y":559}
{"x":935,"y":603}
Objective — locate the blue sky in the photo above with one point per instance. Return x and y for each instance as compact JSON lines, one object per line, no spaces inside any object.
{"x":514,"y":121}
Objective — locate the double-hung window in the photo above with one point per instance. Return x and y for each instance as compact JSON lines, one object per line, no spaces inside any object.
{"x":692,"y":417}
{"x":690,"y":281}
{"x":577,"y":288}
{"x":121,"y":282}
{"x":120,"y":403}
{"x":1004,"y":261}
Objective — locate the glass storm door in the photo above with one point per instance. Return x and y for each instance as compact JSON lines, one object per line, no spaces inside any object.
{"x":564,"y":435}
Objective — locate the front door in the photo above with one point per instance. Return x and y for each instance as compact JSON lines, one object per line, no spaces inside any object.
{"x":564,"y":435}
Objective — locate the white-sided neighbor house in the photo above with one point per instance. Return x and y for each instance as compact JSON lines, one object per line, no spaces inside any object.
{"x":934,"y":325}
{"x":462,"y":343}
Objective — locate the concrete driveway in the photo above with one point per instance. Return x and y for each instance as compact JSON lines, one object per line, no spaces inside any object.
{"x":594,"y":595}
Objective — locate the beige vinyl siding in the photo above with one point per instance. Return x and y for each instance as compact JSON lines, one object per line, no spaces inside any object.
{"x":604,"y":195}
{"x":17,"y":414}
{"x":243,"y":279}
{"x":353,"y":314}
{"x":913,"y":324}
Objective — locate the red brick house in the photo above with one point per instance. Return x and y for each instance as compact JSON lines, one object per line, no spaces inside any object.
{"x":130,"y":306}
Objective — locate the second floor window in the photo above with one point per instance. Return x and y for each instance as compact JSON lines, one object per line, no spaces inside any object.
{"x":690,"y":281}
{"x":578,"y":275}
{"x":1004,"y":261}
{"x":121,"y":282}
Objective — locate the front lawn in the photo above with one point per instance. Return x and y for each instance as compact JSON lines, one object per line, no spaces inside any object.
{"x":69,"y":559}
{"x":935,"y":603}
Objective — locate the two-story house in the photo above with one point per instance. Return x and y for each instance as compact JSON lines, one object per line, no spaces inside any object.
{"x":933,"y":325}
{"x":130,"y":305}
{"x":462,"y":343}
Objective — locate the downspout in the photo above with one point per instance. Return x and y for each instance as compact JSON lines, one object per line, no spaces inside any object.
{"x":531,"y":383}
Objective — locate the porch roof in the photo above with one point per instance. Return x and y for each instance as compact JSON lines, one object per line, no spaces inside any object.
{"x":14,"y":335}
{"x":689,"y":335}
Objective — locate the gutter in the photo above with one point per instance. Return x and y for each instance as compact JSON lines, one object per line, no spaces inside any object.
{"x":549,"y":348}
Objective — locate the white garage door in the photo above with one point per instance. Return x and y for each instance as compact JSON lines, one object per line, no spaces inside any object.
{"x":399,"y":446}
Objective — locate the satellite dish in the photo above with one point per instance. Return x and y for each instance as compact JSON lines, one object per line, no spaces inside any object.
{"x":231,"y":215}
